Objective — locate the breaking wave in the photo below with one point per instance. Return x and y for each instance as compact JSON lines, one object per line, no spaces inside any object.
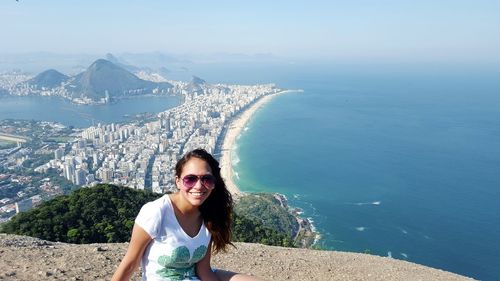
{"x":368,"y":203}
{"x":235,"y":159}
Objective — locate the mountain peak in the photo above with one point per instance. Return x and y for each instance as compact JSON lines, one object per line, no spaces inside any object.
{"x":110,"y":57}
{"x":102,"y":63}
{"x":197,"y":80}
{"x":113,"y":59}
{"x":105,"y":79}
{"x":48,"y":79}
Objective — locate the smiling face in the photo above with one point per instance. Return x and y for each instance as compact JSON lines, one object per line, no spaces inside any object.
{"x":198,"y":193}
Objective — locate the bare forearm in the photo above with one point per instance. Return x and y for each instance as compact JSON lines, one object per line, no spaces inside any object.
{"x":125,"y":270}
{"x":138,"y":243}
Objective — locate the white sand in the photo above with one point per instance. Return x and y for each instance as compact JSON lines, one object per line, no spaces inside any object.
{"x":234,"y":130}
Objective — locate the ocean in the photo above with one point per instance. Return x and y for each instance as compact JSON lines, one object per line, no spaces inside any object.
{"x":392,"y":160}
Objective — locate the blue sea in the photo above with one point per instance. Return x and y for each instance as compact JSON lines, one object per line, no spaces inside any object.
{"x":400,"y":161}
{"x":393,"y":160}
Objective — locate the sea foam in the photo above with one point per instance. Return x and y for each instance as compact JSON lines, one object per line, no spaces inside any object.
{"x":235,"y":159}
{"x":368,"y":203}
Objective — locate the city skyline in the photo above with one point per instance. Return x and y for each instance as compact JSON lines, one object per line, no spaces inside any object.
{"x":448,"y":31}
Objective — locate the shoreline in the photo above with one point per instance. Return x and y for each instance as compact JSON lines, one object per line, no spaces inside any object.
{"x":234,"y":130}
{"x":306,"y":234}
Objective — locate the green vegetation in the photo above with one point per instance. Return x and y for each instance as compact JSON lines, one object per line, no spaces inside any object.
{"x":266,"y":209}
{"x":66,"y":185}
{"x":247,"y":230}
{"x":9,"y":190}
{"x":37,"y":160}
{"x":60,"y":139}
{"x":106,"y":213}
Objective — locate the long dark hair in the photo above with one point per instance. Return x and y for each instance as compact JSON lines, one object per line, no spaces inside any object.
{"x":218,"y":207}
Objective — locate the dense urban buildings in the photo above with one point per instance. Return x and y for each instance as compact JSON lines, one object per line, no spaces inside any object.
{"x":140,"y":155}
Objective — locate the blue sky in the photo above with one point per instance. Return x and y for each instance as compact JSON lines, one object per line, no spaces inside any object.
{"x":425,"y":30}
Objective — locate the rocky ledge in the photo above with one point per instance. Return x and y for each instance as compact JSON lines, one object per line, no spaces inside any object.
{"x":26,"y":258}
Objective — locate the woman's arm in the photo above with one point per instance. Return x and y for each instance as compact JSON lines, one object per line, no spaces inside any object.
{"x":203,"y":268}
{"x":138,"y":243}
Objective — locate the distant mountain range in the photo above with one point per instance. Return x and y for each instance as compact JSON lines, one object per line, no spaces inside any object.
{"x":103,"y":80}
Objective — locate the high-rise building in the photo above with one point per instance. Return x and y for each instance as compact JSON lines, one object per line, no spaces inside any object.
{"x":80,"y":175}
{"x":95,"y":160}
{"x":105,"y":174}
{"x":69,"y":170}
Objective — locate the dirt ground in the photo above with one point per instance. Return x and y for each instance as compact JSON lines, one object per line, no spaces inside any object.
{"x":26,"y":258}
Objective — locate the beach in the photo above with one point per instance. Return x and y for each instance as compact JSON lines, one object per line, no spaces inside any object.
{"x":305,"y":234}
{"x":234,"y":130}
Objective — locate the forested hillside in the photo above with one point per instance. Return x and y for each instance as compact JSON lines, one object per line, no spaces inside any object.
{"x":106,"y":213}
{"x":266,"y":209}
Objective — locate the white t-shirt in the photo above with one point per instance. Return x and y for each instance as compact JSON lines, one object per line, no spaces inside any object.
{"x":172,"y":255}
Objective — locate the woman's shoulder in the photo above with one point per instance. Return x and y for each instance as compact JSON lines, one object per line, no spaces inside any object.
{"x":159,"y":203}
{"x":156,"y":206}
{"x":152,"y":215}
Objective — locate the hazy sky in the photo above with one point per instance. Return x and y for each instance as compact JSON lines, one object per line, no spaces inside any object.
{"x":434,"y":30}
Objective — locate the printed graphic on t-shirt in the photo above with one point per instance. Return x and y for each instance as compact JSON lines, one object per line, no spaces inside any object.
{"x":179,"y":265}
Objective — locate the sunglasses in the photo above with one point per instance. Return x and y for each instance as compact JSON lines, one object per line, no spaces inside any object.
{"x":207,"y":181}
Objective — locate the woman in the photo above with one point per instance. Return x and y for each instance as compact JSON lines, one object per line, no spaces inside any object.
{"x":175,"y":235}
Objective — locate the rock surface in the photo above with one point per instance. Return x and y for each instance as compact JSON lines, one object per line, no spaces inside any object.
{"x":26,"y":258}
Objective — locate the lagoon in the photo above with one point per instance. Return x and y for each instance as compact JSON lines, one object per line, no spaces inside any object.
{"x":55,"y":109}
